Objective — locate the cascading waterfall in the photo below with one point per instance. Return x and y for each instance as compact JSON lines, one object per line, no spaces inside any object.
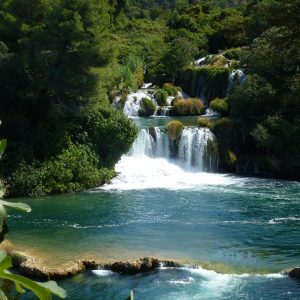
{"x":195,"y":151}
{"x":237,"y":75}
{"x":165,"y":111}
{"x":192,"y":152}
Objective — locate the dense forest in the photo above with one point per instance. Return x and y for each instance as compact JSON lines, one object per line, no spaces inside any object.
{"x":62,"y":62}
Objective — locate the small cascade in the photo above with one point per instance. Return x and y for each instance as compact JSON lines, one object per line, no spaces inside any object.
{"x":209,"y":112}
{"x":132,"y":104}
{"x":162,"y":144}
{"x":144,"y":144}
{"x":133,"y":101}
{"x":165,"y":111}
{"x":195,"y":151}
{"x":236,"y":75}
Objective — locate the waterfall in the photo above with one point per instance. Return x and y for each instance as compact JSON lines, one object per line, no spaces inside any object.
{"x":236,"y":75}
{"x":143,"y":145}
{"x":165,"y":111}
{"x":133,"y":101}
{"x":192,"y":152}
{"x":193,"y":148}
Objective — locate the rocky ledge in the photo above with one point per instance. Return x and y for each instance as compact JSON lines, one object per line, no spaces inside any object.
{"x":32,"y":267}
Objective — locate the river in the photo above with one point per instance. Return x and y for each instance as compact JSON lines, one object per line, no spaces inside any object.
{"x":240,"y":232}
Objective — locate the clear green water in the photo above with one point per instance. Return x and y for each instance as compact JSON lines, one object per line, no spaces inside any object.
{"x":244,"y":229}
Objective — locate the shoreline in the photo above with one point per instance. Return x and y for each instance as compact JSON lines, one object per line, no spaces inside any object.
{"x":34,"y":267}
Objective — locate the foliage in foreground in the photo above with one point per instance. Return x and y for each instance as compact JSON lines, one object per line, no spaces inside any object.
{"x":13,"y":285}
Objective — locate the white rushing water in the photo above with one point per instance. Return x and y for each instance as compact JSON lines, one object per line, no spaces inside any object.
{"x":189,"y":153}
{"x":236,"y":75}
{"x":154,"y":161}
{"x":132,"y":104}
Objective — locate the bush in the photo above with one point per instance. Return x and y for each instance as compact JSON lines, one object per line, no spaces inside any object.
{"x":110,"y":132}
{"x":187,"y":107}
{"x":222,"y":123}
{"x":161,"y":97}
{"x":219,"y":105}
{"x":204,"y":122}
{"x":174,"y":129}
{"x":147,"y":108}
{"x":170,"y":89}
{"x":75,"y":169}
{"x":233,"y":54}
{"x":235,"y":64}
{"x":218,"y":61}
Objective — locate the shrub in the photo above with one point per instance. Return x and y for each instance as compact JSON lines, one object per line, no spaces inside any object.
{"x":188,"y":107}
{"x":228,"y":160}
{"x":235,"y":64}
{"x":110,"y":132}
{"x":161,"y":97}
{"x":204,"y":122}
{"x":147,"y":108}
{"x":219,"y":105}
{"x":170,"y":89}
{"x":218,"y":61}
{"x":75,"y":169}
{"x":221,"y":124}
{"x":174,"y":129}
{"x":233,"y":54}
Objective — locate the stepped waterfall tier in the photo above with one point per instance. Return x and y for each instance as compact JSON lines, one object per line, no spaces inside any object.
{"x":195,"y":150}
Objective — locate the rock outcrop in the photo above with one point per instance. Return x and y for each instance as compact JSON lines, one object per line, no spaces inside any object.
{"x":142,"y":265}
{"x":32,"y":267}
{"x":294,"y":273}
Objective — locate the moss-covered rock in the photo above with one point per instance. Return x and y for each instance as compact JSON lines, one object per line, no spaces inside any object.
{"x":171,"y":89}
{"x":219,"y":105}
{"x":161,"y":97}
{"x":230,"y":159}
{"x":204,"y":122}
{"x":174,"y":129}
{"x":187,"y":107}
{"x":147,"y":108}
{"x":208,"y":82}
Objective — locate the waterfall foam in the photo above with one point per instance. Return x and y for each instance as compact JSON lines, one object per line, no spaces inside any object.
{"x":132,"y":105}
{"x":155,"y":161}
{"x":191,"y":152}
{"x":236,"y":74}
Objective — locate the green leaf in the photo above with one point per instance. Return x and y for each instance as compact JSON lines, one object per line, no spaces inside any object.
{"x":2,"y":256}
{"x":41,"y":290}
{"x":2,"y":295}
{"x":19,"y":289}
{"x":54,"y":288}
{"x":5,"y":263}
{"x":17,"y":205}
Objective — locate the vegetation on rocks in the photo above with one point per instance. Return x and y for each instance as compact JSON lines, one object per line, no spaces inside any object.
{"x":147,"y":108}
{"x":187,"y":107}
{"x":219,"y":105}
{"x":174,"y":129}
